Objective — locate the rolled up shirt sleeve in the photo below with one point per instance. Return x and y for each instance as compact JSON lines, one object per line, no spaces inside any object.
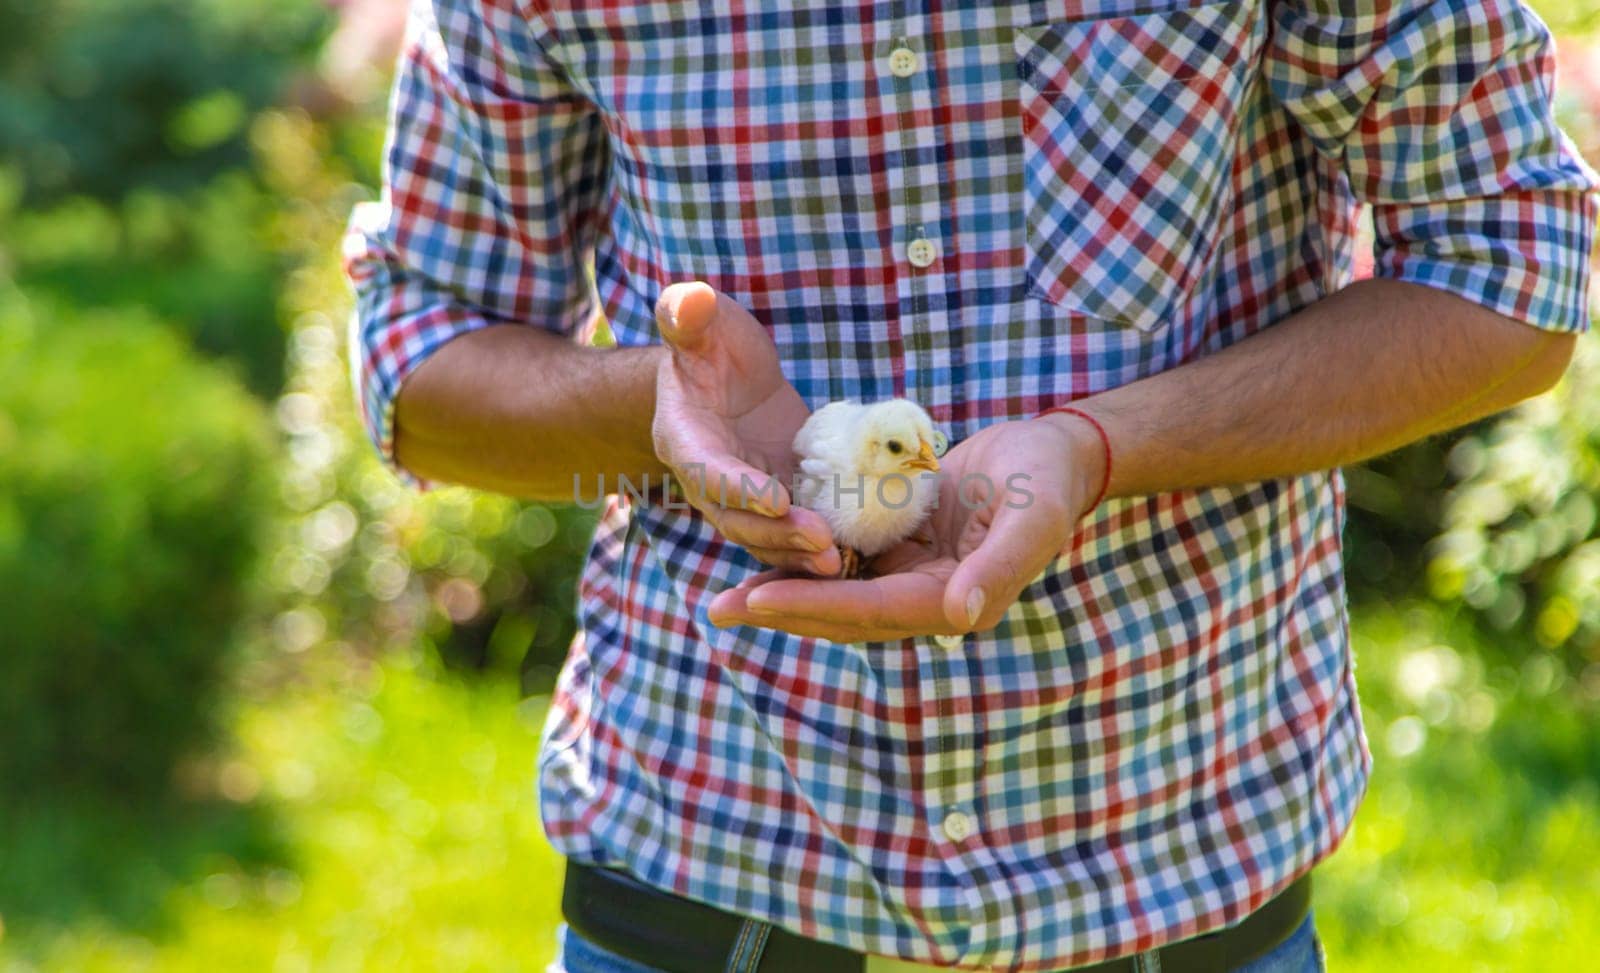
{"x":1439,"y":112}
{"x":494,"y":173}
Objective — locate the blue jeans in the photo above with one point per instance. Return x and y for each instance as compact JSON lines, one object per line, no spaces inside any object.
{"x":1300,"y":953}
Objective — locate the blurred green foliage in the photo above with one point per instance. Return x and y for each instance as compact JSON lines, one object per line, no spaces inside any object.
{"x":406,"y":837}
{"x":1499,"y":519}
{"x":128,"y":177}
{"x":485,"y":582}
{"x":101,"y":97}
{"x":133,"y":493}
{"x":1568,"y":18}
{"x":204,"y":262}
{"x":1518,"y":527}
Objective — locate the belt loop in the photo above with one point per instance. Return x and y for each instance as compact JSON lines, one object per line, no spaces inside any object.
{"x":745,"y":957}
{"x":1149,"y":962}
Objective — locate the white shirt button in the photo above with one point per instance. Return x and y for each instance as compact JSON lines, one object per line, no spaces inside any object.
{"x":921,"y":252}
{"x":951,"y":642}
{"x":903,"y":62}
{"x":958,"y":826}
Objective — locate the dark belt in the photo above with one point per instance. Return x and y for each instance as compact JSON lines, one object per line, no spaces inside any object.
{"x":619,"y":913}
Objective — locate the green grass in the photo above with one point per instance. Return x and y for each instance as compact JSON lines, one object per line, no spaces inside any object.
{"x":406,"y":837}
{"x":1568,"y":17}
{"x":1478,"y":844}
{"x":384,"y":819}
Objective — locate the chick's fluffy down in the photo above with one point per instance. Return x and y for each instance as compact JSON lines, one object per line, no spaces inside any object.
{"x":869,"y":470}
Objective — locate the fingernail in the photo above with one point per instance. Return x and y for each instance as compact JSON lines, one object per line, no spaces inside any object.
{"x":975,"y":599}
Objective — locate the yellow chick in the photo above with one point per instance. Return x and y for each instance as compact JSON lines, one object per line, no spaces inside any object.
{"x":868,"y":469}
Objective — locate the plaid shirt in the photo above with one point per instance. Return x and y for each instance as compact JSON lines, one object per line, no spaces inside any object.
{"x":989,"y":207}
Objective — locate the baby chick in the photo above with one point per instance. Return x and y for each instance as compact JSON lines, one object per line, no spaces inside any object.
{"x":864,"y":468}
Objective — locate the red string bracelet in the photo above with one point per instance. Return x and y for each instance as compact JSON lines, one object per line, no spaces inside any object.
{"x":1104,"y":441}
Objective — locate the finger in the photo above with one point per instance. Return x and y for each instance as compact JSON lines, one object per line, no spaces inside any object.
{"x":732,"y":599}
{"x":893,"y":603}
{"x":730,"y":608}
{"x":811,"y":629}
{"x":825,"y":564}
{"x":812,"y":524}
{"x":988,"y":580}
{"x":794,"y":531}
{"x":684,"y":313}
{"x":720,"y":481}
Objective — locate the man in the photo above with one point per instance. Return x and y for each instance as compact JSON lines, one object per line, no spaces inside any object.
{"x":1066,"y":732}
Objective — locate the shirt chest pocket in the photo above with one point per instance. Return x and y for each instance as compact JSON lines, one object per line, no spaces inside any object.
{"x":1129,"y":126}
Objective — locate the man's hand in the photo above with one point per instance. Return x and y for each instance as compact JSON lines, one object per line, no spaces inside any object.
{"x":725,"y":423}
{"x":1010,"y":499}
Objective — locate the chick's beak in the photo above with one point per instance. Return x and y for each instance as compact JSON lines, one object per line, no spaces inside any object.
{"x":924,"y":460}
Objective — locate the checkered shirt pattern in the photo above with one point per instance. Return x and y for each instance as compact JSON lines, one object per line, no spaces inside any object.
{"x":1163,"y":732}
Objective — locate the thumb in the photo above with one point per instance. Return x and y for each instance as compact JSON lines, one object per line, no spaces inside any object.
{"x":684,"y":314}
{"x":988,"y":580}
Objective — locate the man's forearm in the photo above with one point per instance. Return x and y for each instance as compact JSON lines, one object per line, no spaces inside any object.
{"x":516,"y":410}
{"x":1359,"y":373}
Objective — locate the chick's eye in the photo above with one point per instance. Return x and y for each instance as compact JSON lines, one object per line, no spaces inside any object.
{"x":894,"y":446}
